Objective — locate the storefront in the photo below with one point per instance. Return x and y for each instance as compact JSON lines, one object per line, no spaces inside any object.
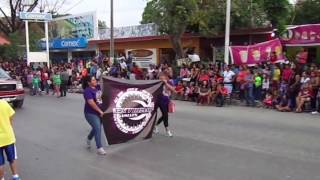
{"x":64,"y":50}
{"x":155,"y":49}
{"x":147,"y":50}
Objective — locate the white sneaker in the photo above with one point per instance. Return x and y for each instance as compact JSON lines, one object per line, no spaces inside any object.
{"x":156,"y":130}
{"x":315,"y":112}
{"x":101,"y":151}
{"x":88,"y":143}
{"x":169,"y":133}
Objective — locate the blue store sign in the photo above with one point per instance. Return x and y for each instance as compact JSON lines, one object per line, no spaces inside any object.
{"x":72,"y":43}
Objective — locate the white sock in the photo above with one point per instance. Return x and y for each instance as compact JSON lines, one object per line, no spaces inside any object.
{"x":2,"y":178}
{"x":15,"y":176}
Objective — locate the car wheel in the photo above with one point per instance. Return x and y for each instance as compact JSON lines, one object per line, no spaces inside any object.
{"x":18,"y":104}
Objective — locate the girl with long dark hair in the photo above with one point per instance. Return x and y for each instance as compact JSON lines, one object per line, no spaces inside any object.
{"x":92,"y":111}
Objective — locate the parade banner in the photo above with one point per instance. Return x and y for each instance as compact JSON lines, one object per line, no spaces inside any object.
{"x":258,"y":53}
{"x":131,"y":109}
{"x":304,"y":35}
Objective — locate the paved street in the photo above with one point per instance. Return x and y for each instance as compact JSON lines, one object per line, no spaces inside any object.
{"x":209,"y":143}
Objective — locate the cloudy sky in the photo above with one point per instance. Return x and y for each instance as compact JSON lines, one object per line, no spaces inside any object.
{"x":126,"y":12}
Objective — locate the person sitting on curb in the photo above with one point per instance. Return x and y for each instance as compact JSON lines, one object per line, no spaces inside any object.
{"x":222,"y":92}
{"x":304,"y":96}
{"x":283,"y":105}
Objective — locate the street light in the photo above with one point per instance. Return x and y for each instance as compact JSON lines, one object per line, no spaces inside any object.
{"x":111,"y":32}
{"x":227,"y":38}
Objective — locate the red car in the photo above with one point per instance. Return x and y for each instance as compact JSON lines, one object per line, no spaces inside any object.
{"x":11,"y":90}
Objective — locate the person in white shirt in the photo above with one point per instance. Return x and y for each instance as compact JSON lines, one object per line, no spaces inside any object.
{"x":99,"y":73}
{"x":123,"y":64}
{"x":305,"y":78}
{"x":228,"y":78}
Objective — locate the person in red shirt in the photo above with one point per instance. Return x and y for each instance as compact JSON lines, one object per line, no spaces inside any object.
{"x":184,"y":71}
{"x":45,"y":80}
{"x":287,"y":73}
{"x":302,"y":56}
{"x":241,"y":81}
{"x":180,"y":89}
{"x":273,"y":58}
{"x":203,"y":76}
{"x":222,"y":92}
{"x":137,"y":72}
{"x":204,"y":92}
{"x":84,"y":72}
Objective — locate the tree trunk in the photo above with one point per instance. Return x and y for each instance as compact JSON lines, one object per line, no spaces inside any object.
{"x":10,"y":22}
{"x":177,"y":45}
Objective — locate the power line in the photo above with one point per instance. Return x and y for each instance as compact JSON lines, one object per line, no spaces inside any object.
{"x":79,"y":2}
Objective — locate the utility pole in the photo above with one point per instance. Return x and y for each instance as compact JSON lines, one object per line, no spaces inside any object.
{"x":227,"y":36}
{"x":111,"y":32}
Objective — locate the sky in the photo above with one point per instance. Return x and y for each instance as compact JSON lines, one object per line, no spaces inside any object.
{"x":126,"y":12}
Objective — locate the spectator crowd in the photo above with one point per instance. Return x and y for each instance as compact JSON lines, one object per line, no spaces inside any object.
{"x":284,"y":86}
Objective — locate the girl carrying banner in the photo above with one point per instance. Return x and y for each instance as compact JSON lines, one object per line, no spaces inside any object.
{"x":92,"y":111}
{"x":164,"y":101}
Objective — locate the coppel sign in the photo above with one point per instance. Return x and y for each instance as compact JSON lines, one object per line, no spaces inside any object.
{"x":72,"y":43}
{"x":35,"y":16}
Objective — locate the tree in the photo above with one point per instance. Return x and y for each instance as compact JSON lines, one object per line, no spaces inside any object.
{"x":244,"y":14}
{"x":306,"y":12}
{"x":278,"y":12}
{"x":16,"y":48}
{"x":10,"y":23}
{"x":207,"y":17}
{"x":172,"y":17}
{"x":102,"y":24}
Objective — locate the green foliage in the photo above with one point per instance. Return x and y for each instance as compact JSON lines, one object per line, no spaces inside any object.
{"x":13,"y":50}
{"x":306,"y":12}
{"x":17,"y":47}
{"x":102,"y":24}
{"x":277,"y":11}
{"x":244,"y":14}
{"x":207,"y":17}
{"x":173,"y":17}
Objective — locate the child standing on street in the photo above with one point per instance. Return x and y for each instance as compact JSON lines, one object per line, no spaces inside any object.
{"x":7,"y":140}
{"x":57,"y":83}
{"x":36,"y":85}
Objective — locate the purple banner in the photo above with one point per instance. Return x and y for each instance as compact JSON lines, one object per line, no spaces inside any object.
{"x":131,"y":109}
{"x":257,"y":53}
{"x":304,"y":35}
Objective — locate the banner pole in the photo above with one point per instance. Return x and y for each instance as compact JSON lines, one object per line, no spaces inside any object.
{"x":111,"y":33}
{"x":227,"y":35}
{"x":47,"y":44}
{"x":27,"y":41}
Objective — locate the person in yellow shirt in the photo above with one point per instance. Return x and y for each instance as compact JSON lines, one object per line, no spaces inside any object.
{"x":7,"y":140}
{"x":276,"y":78}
